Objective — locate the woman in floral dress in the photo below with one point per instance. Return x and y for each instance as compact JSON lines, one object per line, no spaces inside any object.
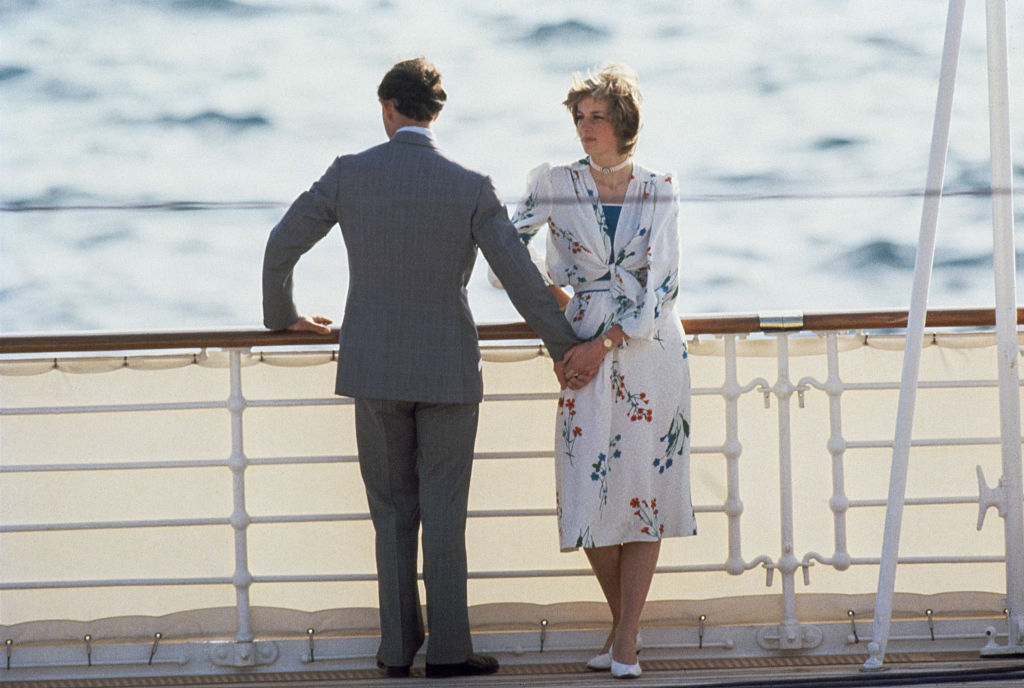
{"x":623,"y":429}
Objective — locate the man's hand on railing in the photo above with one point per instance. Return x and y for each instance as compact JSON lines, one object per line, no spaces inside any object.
{"x":317,"y":323}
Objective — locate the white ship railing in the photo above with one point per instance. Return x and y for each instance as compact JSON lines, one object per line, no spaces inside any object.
{"x":120,"y":531}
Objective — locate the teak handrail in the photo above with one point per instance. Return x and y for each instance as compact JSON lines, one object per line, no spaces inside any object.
{"x":724,"y":323}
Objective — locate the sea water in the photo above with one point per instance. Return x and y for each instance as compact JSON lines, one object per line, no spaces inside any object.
{"x":148,"y":147}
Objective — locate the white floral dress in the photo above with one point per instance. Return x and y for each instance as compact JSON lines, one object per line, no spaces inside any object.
{"x":622,"y":443}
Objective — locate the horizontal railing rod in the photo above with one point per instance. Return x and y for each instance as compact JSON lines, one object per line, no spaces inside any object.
{"x":116,"y":583}
{"x":320,"y":578}
{"x":341,"y":401}
{"x":301,"y":460}
{"x":313,"y":578}
{"x":725,"y":323}
{"x":310,"y":518}
{"x":875,"y":561}
{"x":352,"y":458}
{"x":276,"y":519}
{"x":298,"y":403}
{"x":481,"y":575}
{"x":112,"y":466}
{"x":112,"y":408}
{"x":939,"y":442}
{"x":115,"y":525}
{"x":918,"y":501}
{"x":524,"y":396}
{"x":922,"y":384}
{"x":492,"y":456}
{"x":473,"y":575}
{"x":219,"y":463}
{"x":715,"y":449}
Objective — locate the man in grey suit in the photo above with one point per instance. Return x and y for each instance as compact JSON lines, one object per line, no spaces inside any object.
{"x":412,"y":220}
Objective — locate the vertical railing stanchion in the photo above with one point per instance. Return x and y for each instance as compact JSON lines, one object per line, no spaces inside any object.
{"x":242,"y":578}
{"x":245,"y":651}
{"x":791,"y":636}
{"x":789,"y":631}
{"x":839,"y":502}
{"x":731,"y":391}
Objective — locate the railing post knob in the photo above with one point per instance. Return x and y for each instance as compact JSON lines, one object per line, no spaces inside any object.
{"x":152,"y":651}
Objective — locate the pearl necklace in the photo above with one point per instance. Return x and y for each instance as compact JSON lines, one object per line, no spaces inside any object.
{"x":609,"y":170}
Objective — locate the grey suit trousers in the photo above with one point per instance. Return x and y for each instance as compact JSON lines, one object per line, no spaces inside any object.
{"x":416,"y":459}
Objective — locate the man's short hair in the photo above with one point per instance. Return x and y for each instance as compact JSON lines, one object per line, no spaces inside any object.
{"x":415,"y":88}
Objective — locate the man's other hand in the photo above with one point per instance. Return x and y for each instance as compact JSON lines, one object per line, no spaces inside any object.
{"x":317,"y":323}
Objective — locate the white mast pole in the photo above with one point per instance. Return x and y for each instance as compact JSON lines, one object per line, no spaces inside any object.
{"x":1004,"y":258}
{"x":915,"y":336}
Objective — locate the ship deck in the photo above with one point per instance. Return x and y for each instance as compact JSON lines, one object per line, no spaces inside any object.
{"x":922,"y":670}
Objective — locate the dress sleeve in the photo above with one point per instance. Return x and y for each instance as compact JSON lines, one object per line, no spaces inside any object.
{"x":534,"y":208}
{"x":662,"y":286}
{"x":532,"y":213}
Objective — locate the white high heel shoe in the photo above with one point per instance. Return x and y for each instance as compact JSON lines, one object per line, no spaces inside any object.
{"x":620,"y":670}
{"x":601,"y":662}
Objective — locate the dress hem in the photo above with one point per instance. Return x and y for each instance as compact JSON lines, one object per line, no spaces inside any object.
{"x":663,"y":537}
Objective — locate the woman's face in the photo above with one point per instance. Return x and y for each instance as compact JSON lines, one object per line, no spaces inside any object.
{"x":595,"y":129}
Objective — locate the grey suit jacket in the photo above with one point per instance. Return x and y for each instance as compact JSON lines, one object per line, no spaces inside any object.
{"x":412,"y":220}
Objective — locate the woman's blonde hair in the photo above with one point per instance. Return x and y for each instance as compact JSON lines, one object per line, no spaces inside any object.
{"x":618,"y":86}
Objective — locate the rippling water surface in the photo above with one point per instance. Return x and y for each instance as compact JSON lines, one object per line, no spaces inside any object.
{"x":795,"y":127}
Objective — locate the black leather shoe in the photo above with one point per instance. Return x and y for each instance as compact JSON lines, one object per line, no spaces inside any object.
{"x":394,"y":671}
{"x":475,"y":665}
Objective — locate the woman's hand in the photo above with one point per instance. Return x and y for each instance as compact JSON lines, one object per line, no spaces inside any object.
{"x":561,"y":296}
{"x":582,"y":361}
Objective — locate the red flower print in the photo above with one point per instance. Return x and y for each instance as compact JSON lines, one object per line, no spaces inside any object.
{"x":635,"y":401}
{"x":570,"y":431}
{"x":648,"y":516}
{"x":580,"y":313}
{"x":565,"y":235}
